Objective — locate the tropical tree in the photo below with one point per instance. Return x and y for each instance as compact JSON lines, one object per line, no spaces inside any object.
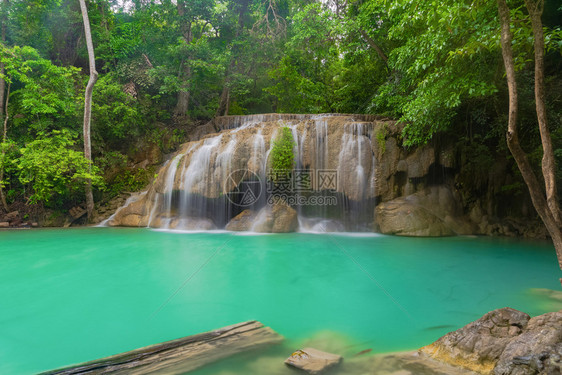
{"x":88,"y":104}
{"x":545,"y":200}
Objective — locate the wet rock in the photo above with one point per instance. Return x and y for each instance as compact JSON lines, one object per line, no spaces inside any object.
{"x":4,"y":224}
{"x":276,"y":218}
{"x":131,"y":220}
{"x":192,"y":223}
{"x":243,"y":221}
{"x":312,"y":360}
{"x":413,"y":363}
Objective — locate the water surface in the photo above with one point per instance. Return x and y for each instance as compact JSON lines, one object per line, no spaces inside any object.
{"x":73,"y":295}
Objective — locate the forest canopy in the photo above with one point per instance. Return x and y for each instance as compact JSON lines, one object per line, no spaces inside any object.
{"x":165,"y":66}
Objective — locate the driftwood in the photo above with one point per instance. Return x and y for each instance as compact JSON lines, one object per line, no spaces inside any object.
{"x":181,"y":355}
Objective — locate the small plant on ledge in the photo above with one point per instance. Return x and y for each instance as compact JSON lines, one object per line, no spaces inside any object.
{"x":282,"y":156}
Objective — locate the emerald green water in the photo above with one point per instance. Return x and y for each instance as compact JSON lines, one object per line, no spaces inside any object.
{"x":69,"y":296}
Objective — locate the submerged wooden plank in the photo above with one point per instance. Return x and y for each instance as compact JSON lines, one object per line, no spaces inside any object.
{"x":181,"y":355}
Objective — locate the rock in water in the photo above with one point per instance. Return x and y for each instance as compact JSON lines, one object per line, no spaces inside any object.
{"x":504,"y":342}
{"x":479,"y":345}
{"x":313,"y":361}
{"x":277,"y":218}
{"x":432,"y":212}
{"x":242,"y":222}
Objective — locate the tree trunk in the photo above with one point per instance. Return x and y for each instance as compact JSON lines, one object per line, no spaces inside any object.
{"x":535,"y":189}
{"x":222,"y":110}
{"x":88,"y":104}
{"x":2,"y":113}
{"x":4,"y":138}
{"x":535,"y":9}
{"x":182,"y":105}
{"x":224,"y":103}
{"x":375,"y":46}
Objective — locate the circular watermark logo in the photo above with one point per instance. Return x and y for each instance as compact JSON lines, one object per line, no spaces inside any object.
{"x":243,"y":188}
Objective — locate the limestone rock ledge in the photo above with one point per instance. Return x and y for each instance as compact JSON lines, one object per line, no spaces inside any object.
{"x":432,"y":212}
{"x":504,"y":342}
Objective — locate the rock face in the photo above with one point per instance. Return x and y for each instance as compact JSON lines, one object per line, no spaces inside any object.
{"x":537,"y":350}
{"x":432,"y":212}
{"x":202,"y":178}
{"x":312,"y":360}
{"x":504,"y":342}
{"x":423,"y":191}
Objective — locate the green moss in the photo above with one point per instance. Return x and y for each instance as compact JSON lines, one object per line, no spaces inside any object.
{"x":381,"y":138}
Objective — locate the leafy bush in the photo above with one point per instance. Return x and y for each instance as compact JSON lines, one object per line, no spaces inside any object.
{"x":131,"y":180}
{"x":53,"y":168}
{"x":282,"y":156}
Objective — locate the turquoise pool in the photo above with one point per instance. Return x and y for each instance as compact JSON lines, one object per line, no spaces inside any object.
{"x":73,"y":295}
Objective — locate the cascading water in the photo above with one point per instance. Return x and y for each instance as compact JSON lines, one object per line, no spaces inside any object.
{"x":202,"y":187}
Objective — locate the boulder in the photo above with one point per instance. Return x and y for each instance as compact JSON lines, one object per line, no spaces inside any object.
{"x":537,"y":350}
{"x":192,"y":223}
{"x":131,"y":220}
{"x":4,"y":224}
{"x":276,"y":218}
{"x":504,"y":342}
{"x":312,"y":360}
{"x":434,"y":211}
{"x":405,"y":219}
{"x":242,"y":222}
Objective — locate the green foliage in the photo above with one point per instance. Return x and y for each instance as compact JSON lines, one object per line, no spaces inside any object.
{"x":9,"y":154}
{"x":131,"y":180}
{"x":435,"y":65}
{"x":51,"y":167}
{"x":42,"y":93}
{"x":282,"y":155}
{"x":115,"y":114}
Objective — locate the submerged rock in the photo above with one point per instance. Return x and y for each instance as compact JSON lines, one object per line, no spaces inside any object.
{"x":504,"y":342}
{"x":312,"y":360}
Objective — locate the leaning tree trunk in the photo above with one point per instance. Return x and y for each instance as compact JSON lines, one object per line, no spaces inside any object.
{"x":541,"y":202}
{"x":535,"y":8}
{"x":88,"y":105}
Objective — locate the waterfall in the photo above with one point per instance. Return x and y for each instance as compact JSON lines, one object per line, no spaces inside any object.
{"x":205,"y":185}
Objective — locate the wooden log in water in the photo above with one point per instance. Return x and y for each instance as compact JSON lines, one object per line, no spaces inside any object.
{"x":181,"y":355}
